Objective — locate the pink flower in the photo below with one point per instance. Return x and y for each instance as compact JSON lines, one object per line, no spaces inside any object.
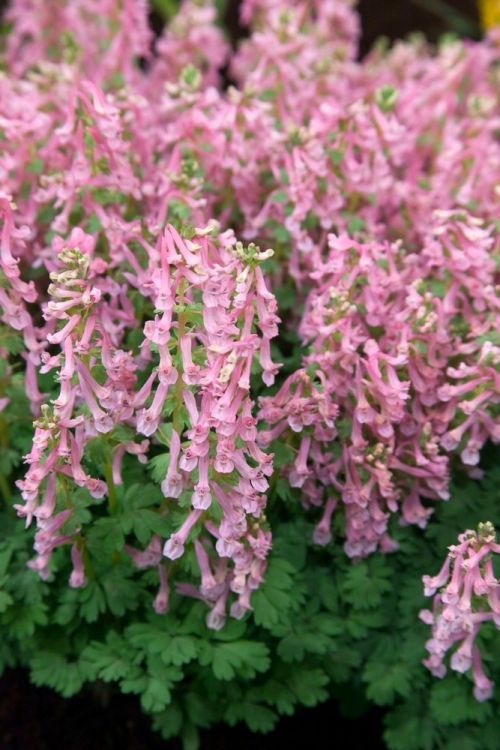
{"x":160,"y":604}
{"x":174,"y":547}
{"x":456,"y":616}
{"x":77,"y":578}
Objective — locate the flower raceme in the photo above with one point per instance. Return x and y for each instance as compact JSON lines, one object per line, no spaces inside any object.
{"x":401,"y":374}
{"x":217,"y":289}
{"x":466,"y":595}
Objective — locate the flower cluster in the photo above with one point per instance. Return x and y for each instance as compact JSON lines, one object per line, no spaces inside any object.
{"x":198,"y":350}
{"x":400,"y":375}
{"x":94,"y":212}
{"x":371,"y":148}
{"x":128,"y":172}
{"x":466,"y":595}
{"x":216,"y":290}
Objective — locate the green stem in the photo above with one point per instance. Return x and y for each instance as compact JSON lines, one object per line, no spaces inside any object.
{"x":112,"y":496}
{"x":456,"y":20}
{"x":5,"y":489}
{"x":66,"y":489}
{"x":4,"y":444}
{"x":179,"y":386}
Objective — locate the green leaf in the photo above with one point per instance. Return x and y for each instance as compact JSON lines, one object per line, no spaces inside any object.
{"x":280,"y":196}
{"x":93,"y":225}
{"x":267,"y":95}
{"x":248,"y":657}
{"x":93,"y":601}
{"x":492,"y":336}
{"x":157,"y":694}
{"x":11,"y":341}
{"x":35,"y":166}
{"x":169,"y":723}
{"x":107,"y":196}
{"x":107,"y":661}
{"x":157,"y":467}
{"x":438,"y":287}
{"x":54,"y":671}
{"x":137,"y":515}
{"x":459,"y":740}
{"x":257,"y":717}
{"x":282,"y":235}
{"x":121,"y":591}
{"x":105,"y":537}
{"x":190,"y":738}
{"x":309,"y":686}
{"x":232,"y":631}
{"x":284,"y":491}
{"x":179,"y":650}
{"x":452,"y":702}
{"x":166,"y":8}
{"x":23,"y":620}
{"x":489,"y":734}
{"x":154,"y":685}
{"x":344,"y":428}
{"x":365,"y":583}
{"x":272,"y":601}
{"x":355,"y":224}
{"x":314,"y":636}
{"x":336,"y":156}
{"x":5,"y":601}
{"x":277,"y":693}
{"x":284,"y":455}
{"x":343,"y":663}
{"x":386,"y":680}
{"x":171,"y":649}
{"x":408,"y":729}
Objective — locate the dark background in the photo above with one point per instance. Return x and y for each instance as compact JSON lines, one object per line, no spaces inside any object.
{"x":390,"y":18}
{"x":38,"y":719}
{"x":396,"y":18}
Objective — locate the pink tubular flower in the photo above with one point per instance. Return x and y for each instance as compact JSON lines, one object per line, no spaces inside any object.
{"x":77,"y":578}
{"x":160,"y":603}
{"x":466,"y":594}
{"x":174,"y":547}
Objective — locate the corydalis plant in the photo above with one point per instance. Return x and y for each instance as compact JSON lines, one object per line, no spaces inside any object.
{"x":135,"y":333}
{"x":466,"y":595}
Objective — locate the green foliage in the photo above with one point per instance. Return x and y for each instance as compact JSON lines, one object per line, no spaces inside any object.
{"x":166,"y":8}
{"x":321,"y":627}
{"x":451,"y":702}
